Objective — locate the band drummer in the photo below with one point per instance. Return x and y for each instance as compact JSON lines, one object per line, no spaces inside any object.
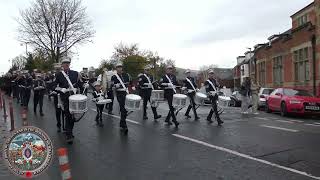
{"x":169,"y":83}
{"x":120,"y":82}
{"x":39,"y":91}
{"x":191,"y":88}
{"x":98,"y":94}
{"x":212,"y":86}
{"x":66,"y":90}
{"x":146,"y":86}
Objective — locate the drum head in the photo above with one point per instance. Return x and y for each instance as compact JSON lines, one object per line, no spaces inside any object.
{"x":133,"y":97}
{"x":180,"y":96}
{"x":201,"y":95}
{"x":78,"y":97}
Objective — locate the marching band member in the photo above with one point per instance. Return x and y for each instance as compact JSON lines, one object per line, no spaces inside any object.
{"x":211,"y":88}
{"x":120,"y":82}
{"x":49,"y":82}
{"x":97,"y":95}
{"x":67,"y":80}
{"x":39,"y":90}
{"x":191,"y":87}
{"x":146,"y":87}
{"x":26,"y":85}
{"x":169,"y":83}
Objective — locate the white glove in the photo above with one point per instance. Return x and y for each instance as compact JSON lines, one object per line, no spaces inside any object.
{"x":63,"y":90}
{"x":198,"y":90}
{"x":170,"y":85}
{"x":86,"y":85}
{"x":133,"y":88}
{"x":183,"y":88}
{"x":117,"y":85}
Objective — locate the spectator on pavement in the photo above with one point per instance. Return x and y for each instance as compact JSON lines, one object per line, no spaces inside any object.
{"x":245,"y":91}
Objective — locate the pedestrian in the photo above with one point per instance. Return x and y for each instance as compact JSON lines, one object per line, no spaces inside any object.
{"x":145,"y":88}
{"x":212,"y":86}
{"x":245,"y":91}
{"x":191,"y":88}
{"x":67,"y":79}
{"x":169,"y":83}
{"x":98,"y":94}
{"x":39,"y":91}
{"x":255,"y":91}
{"x":120,"y":82}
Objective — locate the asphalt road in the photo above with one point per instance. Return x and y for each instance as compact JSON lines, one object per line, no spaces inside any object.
{"x":265,"y":146}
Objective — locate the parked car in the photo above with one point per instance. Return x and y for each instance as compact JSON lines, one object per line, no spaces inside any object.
{"x":235,"y":99}
{"x":263,"y":95}
{"x":292,"y":101}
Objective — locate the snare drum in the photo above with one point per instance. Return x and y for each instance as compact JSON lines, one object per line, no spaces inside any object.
{"x":157,"y":95}
{"x":78,"y":104}
{"x":200,"y":98}
{"x":132,"y":102}
{"x":179,"y":100}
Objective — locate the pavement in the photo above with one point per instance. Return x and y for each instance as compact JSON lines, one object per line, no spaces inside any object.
{"x":262,"y":147}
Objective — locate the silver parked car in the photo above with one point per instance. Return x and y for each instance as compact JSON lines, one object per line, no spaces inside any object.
{"x":263,"y":94}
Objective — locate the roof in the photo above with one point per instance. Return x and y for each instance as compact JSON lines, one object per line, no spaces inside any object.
{"x":301,"y":10}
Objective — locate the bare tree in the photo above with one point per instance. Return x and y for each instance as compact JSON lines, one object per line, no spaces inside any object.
{"x":55,"y":26}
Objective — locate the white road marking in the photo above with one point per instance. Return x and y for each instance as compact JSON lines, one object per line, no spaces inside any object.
{"x":296,"y":121}
{"x":246,"y":156}
{"x":118,"y":117}
{"x":285,"y":121}
{"x":316,"y":125}
{"x":280,"y":128}
{"x":262,"y":118}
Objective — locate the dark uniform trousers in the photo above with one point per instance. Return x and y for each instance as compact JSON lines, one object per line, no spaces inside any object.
{"x":110,"y":95}
{"x":146,"y":95}
{"x":26,"y":92}
{"x":99,"y":112}
{"x":192,"y":104}
{"x":38,"y":99}
{"x":168,"y":94}
{"x":214,"y":108}
{"x":121,"y":97}
{"x":59,"y":112}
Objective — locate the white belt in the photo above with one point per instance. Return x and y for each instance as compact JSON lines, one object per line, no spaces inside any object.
{"x":121,"y":89}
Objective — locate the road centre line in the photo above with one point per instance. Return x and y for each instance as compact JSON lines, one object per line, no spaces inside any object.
{"x":280,"y":128}
{"x":285,"y":121}
{"x":118,"y":117}
{"x":246,"y":156}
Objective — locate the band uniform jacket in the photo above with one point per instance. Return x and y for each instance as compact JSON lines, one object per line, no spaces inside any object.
{"x":164,"y":83}
{"x":115,"y":83}
{"x":37,"y":84}
{"x":189,"y":86}
{"x":209,"y":87}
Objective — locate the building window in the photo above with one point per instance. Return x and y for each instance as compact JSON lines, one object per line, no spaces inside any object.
{"x":301,"y":65}
{"x":277,"y":70}
{"x":302,"y":20}
{"x":262,"y":73}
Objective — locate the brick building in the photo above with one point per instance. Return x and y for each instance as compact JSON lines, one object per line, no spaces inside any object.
{"x":292,"y":58}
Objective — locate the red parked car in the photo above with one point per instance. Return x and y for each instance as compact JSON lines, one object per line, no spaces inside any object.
{"x":292,"y":101}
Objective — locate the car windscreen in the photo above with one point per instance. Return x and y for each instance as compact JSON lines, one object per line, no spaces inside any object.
{"x":267,"y":91}
{"x":294,"y":92}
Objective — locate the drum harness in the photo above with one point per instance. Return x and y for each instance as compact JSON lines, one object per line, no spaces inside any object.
{"x":175,"y":91}
{"x":74,"y":91}
{"x":153,"y":103}
{"x":220,"y":111}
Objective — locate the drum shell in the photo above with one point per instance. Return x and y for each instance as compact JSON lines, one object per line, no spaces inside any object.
{"x":200,"y":98}
{"x":78,"y":104}
{"x":179,"y":100}
{"x":157,"y":95}
{"x":132,"y":102}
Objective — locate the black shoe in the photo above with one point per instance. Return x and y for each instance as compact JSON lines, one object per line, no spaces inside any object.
{"x":41,"y":114}
{"x":187,"y":116}
{"x":59,"y":130}
{"x":145,"y":118}
{"x":209,"y":120}
{"x":220,"y":122}
{"x":196,"y":118}
{"x":110,"y":113}
{"x":157,"y":117}
{"x":124,"y":130}
{"x":176,"y":123}
{"x":69,"y":139}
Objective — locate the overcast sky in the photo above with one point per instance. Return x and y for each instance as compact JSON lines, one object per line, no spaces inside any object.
{"x":193,"y":33}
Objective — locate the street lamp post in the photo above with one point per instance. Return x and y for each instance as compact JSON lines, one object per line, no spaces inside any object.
{"x":26,"y":43}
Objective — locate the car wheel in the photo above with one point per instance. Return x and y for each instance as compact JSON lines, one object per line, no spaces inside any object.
{"x":268,"y":110}
{"x":283,"y":110}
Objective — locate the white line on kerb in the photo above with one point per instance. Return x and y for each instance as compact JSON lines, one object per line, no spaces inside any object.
{"x":246,"y":156}
{"x":118,"y":117}
{"x":280,"y":128}
{"x":316,"y":125}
